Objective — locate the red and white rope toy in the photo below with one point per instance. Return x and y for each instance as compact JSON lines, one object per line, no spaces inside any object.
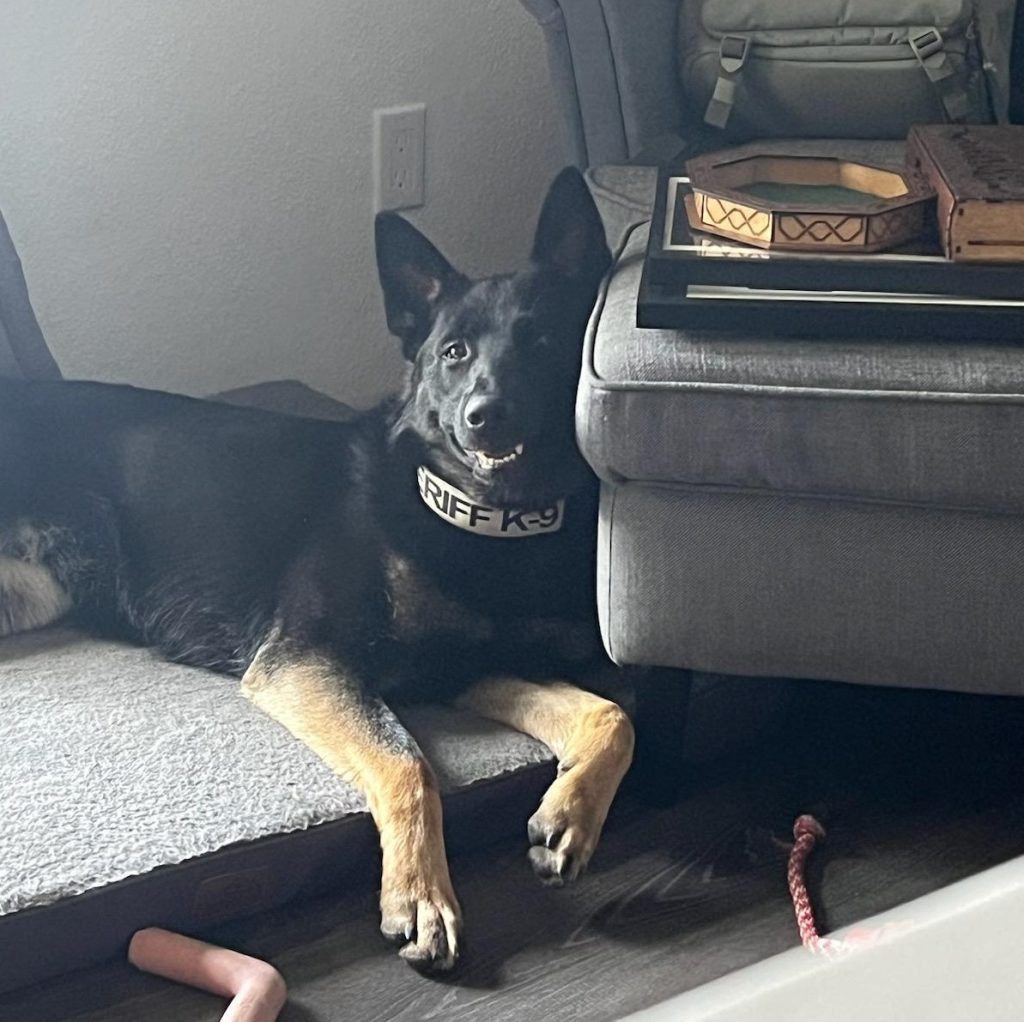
{"x":807,"y":832}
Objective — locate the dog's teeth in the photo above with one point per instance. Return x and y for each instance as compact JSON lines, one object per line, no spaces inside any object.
{"x":486,"y":461}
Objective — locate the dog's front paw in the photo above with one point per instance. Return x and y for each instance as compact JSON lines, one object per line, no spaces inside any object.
{"x":424,"y":916}
{"x":563,"y":833}
{"x":565,"y":829}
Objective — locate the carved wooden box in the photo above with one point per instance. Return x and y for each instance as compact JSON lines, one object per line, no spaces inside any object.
{"x":978,"y":174}
{"x":767,"y":198}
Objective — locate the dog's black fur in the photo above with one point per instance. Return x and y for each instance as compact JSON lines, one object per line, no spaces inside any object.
{"x":208,"y":531}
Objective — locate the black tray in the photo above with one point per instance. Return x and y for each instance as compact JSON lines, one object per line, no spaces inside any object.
{"x":698,"y":281}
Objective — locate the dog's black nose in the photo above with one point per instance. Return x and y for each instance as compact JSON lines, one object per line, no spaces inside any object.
{"x":484,"y":410}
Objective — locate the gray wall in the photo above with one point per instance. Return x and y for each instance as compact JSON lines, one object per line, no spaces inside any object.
{"x":189,"y":182}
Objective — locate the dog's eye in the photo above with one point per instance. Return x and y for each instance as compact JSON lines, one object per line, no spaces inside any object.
{"x":454,"y":351}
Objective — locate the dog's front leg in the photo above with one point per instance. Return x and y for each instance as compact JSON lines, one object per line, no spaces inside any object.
{"x":593,"y":740}
{"x":359,"y":738}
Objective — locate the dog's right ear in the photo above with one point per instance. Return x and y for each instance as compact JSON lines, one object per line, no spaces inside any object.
{"x":414,"y":277}
{"x":570,"y":236}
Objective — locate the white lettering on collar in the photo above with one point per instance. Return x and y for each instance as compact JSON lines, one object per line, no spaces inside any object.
{"x":459,"y":509}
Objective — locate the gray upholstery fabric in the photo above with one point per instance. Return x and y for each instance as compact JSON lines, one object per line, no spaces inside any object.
{"x":645,"y":70}
{"x":115,"y":763}
{"x":847,"y":510}
{"x":763,"y":584}
{"x":613,"y":67}
{"x":23,"y":351}
{"x":8,"y":366}
{"x":908,"y":420}
{"x":624,"y":198}
{"x":560,"y":64}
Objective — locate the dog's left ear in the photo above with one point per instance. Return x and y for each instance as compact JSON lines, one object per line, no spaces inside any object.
{"x":570,"y":237}
{"x":415,"y":279}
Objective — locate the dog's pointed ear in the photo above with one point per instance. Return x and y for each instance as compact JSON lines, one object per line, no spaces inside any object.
{"x":414,"y":277}
{"x":570,"y":237}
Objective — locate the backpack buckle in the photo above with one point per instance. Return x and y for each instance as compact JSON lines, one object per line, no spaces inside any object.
{"x":732,"y":55}
{"x":928,"y":48}
{"x":926,"y":44}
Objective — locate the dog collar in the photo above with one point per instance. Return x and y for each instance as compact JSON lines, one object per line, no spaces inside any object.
{"x":459,"y":509}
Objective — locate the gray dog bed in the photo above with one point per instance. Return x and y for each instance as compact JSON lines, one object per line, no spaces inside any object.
{"x":136,"y":792}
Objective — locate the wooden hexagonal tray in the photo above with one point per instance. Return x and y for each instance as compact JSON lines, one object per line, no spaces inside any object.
{"x":766,"y":197}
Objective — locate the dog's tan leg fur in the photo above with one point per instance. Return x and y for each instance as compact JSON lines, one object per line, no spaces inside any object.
{"x":361,"y":740}
{"x":593,"y":740}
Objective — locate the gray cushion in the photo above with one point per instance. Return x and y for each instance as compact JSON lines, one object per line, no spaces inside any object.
{"x":771,"y":585}
{"x":914,"y":420}
{"x":23,"y":350}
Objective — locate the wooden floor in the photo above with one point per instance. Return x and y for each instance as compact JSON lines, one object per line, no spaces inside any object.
{"x":918,"y":790}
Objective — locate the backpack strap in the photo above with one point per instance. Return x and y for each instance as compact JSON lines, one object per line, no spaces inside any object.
{"x":732,"y":55}
{"x":929,"y":49}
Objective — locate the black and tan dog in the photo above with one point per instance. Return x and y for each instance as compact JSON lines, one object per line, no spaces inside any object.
{"x":442,"y":543}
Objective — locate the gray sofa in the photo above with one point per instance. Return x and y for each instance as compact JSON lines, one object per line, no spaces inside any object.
{"x":828,"y":509}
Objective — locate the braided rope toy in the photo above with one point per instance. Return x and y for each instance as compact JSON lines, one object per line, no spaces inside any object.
{"x":807,"y":832}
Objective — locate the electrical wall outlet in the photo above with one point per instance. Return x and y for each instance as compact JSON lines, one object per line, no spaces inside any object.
{"x":399,"y":138}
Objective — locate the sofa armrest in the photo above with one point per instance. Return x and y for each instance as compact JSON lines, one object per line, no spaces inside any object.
{"x":613,"y":66}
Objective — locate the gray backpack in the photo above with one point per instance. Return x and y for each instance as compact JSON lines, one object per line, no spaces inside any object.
{"x":844,"y":68}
